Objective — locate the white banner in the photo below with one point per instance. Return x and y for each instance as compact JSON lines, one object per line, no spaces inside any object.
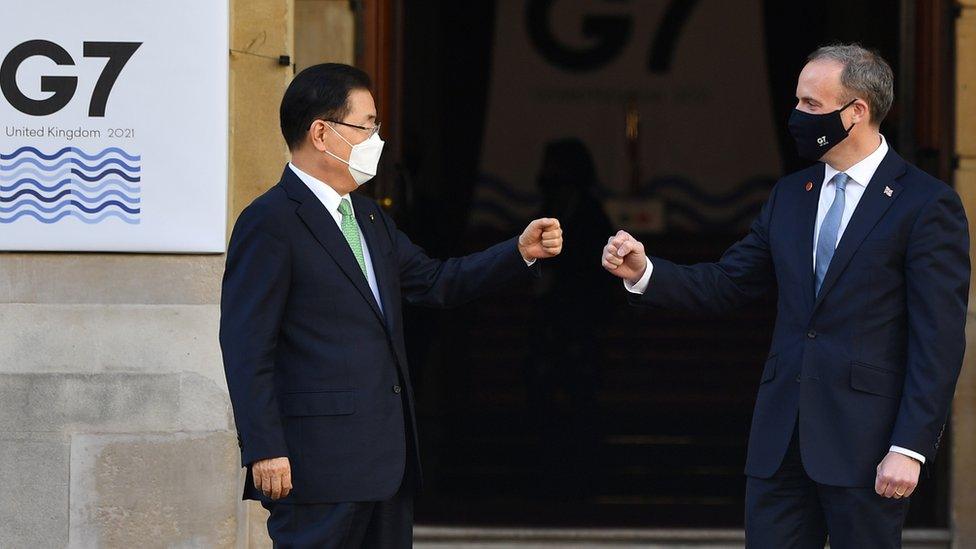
{"x":113,"y":125}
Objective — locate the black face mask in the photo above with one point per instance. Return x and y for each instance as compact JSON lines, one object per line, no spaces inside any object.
{"x":815,"y":134}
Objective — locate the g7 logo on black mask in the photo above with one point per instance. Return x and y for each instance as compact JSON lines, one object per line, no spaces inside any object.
{"x":63,"y":87}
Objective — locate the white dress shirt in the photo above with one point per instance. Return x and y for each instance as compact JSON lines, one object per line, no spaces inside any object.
{"x":331,"y":200}
{"x":860,"y":175}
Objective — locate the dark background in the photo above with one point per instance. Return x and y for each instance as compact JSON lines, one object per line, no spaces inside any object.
{"x":556,"y":403}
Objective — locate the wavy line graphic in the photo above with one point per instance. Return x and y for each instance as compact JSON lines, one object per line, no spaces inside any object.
{"x":110,"y":182}
{"x":86,"y":209}
{"x":62,"y":205}
{"x":66,"y":213}
{"x":731,"y":222}
{"x":95,"y":200}
{"x":106,"y":173}
{"x":75,"y":150}
{"x":508,"y":191}
{"x":491,"y":207}
{"x":80,"y":197}
{"x":103,"y":206}
{"x":31,"y":172}
{"x":65,"y":194}
{"x":116,"y":193}
{"x":72,"y":193}
{"x":35,"y":193}
{"x":49,"y":168}
{"x":65,"y":182}
{"x":743,"y":191}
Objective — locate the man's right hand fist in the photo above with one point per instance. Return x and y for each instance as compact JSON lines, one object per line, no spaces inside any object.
{"x":624,"y":257}
{"x":272,"y":477}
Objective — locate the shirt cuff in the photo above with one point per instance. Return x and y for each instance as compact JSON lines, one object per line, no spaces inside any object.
{"x":905,"y":452}
{"x":530,"y":262}
{"x":640,"y":286}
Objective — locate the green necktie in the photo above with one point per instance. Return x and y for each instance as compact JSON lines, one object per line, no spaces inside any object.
{"x":350,"y":230}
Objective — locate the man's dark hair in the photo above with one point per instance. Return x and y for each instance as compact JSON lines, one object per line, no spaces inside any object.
{"x":320,"y":91}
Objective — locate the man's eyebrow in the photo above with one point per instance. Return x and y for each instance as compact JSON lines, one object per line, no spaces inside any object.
{"x":808,"y":99}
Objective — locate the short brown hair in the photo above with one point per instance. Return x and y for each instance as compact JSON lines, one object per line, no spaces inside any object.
{"x":866,"y":74}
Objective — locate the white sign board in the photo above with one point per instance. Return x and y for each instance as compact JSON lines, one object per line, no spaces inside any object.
{"x":113,"y":125}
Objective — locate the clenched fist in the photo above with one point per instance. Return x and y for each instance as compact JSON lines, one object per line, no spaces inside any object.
{"x":272,"y":477}
{"x":897,"y":476}
{"x":541,"y":239}
{"x":624,"y":256}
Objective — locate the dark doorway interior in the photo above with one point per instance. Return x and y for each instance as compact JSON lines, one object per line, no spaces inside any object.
{"x":557,"y":404}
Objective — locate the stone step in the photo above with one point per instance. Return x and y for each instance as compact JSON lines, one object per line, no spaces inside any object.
{"x":437,"y":537}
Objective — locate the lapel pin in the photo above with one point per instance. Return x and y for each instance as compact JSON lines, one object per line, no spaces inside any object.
{"x":809,"y":186}
{"x":888,"y":192}
{"x":371,"y":218}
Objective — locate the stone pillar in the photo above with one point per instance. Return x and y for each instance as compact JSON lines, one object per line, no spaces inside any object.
{"x":325,"y":32}
{"x":258,"y":153}
{"x":963,"y":474}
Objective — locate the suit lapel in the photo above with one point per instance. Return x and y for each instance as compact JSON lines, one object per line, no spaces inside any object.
{"x":873,"y":204}
{"x":807,"y":219}
{"x":319,"y":221}
{"x":384,"y":281}
{"x":367,"y":224}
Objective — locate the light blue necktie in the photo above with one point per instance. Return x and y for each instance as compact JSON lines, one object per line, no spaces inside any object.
{"x":827,"y":242}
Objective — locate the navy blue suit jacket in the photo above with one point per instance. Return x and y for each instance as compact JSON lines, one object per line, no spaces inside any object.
{"x":873,"y":360}
{"x":316,"y":370}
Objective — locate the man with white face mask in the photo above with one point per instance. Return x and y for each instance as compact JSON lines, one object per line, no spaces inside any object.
{"x":364,"y":157}
{"x":312,"y":330}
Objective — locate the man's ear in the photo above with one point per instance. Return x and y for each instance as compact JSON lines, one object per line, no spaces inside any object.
{"x":862,"y":113}
{"x":317,"y":135}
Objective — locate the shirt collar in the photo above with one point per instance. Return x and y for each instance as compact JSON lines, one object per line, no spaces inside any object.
{"x":862,"y":172}
{"x":326,"y":194}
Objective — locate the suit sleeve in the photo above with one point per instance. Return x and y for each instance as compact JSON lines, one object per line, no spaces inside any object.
{"x":744,"y":273}
{"x":937,"y":274}
{"x":254,"y":293}
{"x":436,"y":283}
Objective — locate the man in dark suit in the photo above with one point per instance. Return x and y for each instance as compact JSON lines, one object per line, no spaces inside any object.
{"x":312,"y":330}
{"x":870,"y":257}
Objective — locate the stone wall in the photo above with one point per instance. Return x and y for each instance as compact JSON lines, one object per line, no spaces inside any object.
{"x":963,"y":464}
{"x":115,"y":426}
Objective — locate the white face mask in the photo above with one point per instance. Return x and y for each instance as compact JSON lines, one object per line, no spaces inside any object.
{"x":363,"y":159}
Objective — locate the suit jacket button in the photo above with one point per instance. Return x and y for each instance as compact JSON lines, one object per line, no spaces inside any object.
{"x":812,"y":334}
{"x":397,"y":389}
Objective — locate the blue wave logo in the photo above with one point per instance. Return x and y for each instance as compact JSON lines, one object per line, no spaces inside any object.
{"x":70,"y":183}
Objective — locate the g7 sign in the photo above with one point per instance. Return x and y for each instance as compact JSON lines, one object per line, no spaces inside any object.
{"x":609,"y":34}
{"x":63,"y":87}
